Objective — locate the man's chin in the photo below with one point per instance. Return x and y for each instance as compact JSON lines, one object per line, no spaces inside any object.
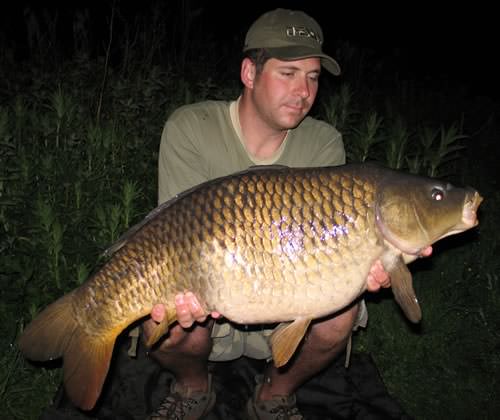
{"x":292,"y":122}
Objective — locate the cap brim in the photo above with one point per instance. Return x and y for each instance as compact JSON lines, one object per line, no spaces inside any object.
{"x":298,"y":53}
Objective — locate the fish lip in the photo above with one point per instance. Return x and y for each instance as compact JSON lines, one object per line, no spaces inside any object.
{"x":469,"y":214}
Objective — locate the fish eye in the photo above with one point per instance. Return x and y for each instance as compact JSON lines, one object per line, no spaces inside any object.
{"x":437,"y":194}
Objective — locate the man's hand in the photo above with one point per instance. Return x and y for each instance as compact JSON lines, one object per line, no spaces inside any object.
{"x":188,"y":309}
{"x":378,"y":277}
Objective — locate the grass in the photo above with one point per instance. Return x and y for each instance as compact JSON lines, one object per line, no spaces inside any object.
{"x":79,"y":135}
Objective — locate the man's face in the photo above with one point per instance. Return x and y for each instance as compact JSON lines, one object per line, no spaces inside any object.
{"x":285,"y":91}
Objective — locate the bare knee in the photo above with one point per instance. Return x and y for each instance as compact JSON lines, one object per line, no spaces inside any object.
{"x":194,"y":343}
{"x":333,"y":332}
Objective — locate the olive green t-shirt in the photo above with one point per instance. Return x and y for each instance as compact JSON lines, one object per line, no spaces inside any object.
{"x":204,"y":141}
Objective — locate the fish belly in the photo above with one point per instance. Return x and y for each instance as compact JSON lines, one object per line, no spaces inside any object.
{"x":249,"y":294}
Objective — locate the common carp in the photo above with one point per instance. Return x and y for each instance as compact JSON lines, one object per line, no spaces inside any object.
{"x":267,"y":245}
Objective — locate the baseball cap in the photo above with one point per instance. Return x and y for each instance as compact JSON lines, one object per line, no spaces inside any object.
{"x":289,"y":35}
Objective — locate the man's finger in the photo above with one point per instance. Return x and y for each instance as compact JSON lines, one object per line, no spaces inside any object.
{"x":194,"y":306}
{"x":372,"y":285}
{"x":183,"y":308}
{"x":426,"y":252}
{"x":158,"y":312}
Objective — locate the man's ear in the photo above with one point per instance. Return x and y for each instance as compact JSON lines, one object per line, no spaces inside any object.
{"x":248,"y":72}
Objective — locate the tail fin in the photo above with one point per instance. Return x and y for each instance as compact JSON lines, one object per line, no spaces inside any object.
{"x":55,"y":333}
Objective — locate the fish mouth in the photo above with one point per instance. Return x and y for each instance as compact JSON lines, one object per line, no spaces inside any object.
{"x":469,"y":214}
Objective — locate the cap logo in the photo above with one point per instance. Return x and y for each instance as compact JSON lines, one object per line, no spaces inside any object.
{"x":303,"y":32}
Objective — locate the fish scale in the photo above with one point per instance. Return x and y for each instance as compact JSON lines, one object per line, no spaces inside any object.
{"x":258,"y":209}
{"x":263,"y":246}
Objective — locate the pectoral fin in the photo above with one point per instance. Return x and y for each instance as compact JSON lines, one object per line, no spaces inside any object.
{"x":286,"y":338}
{"x":402,"y":288}
{"x":162,"y":328}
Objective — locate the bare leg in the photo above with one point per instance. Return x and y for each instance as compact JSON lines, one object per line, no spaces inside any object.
{"x":325,"y":340}
{"x":185,"y":354}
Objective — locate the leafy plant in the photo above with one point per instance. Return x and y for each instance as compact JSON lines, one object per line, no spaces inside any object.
{"x":365,"y":138}
{"x":440,"y":147}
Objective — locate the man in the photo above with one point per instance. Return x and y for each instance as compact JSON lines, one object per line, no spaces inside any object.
{"x":267,"y":124}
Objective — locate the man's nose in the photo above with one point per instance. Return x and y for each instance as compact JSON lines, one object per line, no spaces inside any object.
{"x":302,"y":87}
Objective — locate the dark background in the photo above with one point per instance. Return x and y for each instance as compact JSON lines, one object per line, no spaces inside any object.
{"x":422,"y":41}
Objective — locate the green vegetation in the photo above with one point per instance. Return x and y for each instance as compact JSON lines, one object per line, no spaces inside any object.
{"x":79,"y":136}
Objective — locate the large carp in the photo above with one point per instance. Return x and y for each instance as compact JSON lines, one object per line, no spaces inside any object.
{"x":263,"y":246}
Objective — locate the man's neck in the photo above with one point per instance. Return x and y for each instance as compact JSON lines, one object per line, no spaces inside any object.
{"x":260,"y":140}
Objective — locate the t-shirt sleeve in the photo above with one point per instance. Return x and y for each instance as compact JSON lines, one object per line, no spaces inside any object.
{"x":180,"y":163}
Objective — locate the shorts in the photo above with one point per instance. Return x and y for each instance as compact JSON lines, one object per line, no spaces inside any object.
{"x":231,"y":341}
